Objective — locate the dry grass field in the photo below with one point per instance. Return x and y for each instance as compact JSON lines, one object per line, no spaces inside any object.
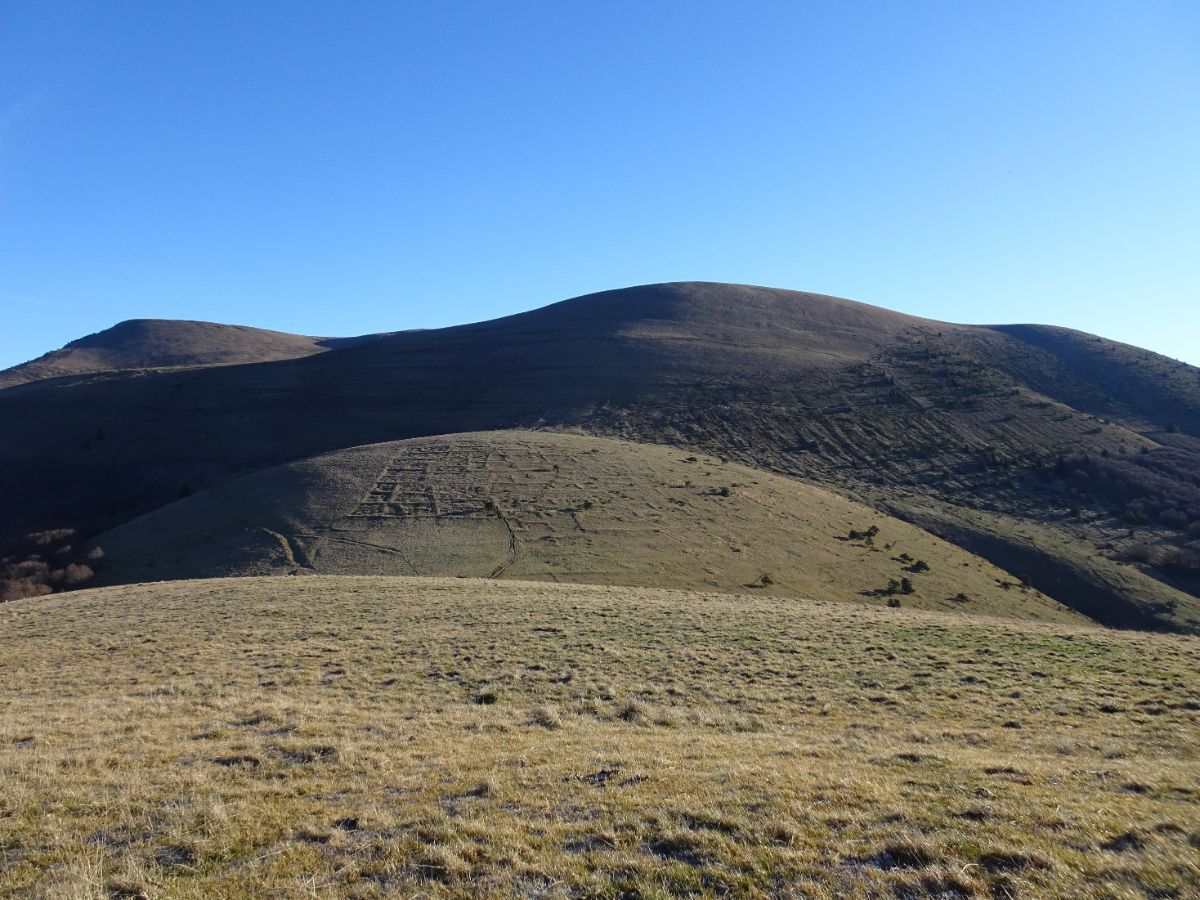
{"x":322,"y":736}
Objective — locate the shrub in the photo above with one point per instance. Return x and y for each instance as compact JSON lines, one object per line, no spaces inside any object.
{"x":53,"y":536}
{"x":19,"y":589}
{"x":633,"y":712}
{"x":76,"y":574}
{"x":894,"y":602}
{"x":1173,"y":518}
{"x":868,"y":535}
{"x":546,"y":717}
{"x":1140,"y":486}
{"x":1178,"y":559}
{"x":27,"y":573}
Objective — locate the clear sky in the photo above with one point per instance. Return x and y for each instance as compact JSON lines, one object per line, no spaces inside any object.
{"x":339,"y":168}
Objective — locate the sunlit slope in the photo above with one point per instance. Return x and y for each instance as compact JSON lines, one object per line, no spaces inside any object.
{"x":560,"y":507}
{"x":140,"y":344}
{"x":371,"y":737}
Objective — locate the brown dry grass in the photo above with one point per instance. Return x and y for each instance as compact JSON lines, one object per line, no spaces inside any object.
{"x":362,"y":737}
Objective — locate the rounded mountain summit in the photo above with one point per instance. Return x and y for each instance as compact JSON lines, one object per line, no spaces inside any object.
{"x":1064,"y":458}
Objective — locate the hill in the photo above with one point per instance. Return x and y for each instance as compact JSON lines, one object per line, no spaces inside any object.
{"x":558,"y":507}
{"x":1071,"y":461}
{"x":140,"y":344}
{"x":446,"y":737}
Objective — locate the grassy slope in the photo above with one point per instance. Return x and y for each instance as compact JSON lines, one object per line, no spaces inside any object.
{"x":884,"y":406}
{"x":323,"y":737}
{"x":558,"y":507}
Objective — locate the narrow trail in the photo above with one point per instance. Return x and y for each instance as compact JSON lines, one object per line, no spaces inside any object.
{"x":290,"y":550}
{"x":512,"y":547}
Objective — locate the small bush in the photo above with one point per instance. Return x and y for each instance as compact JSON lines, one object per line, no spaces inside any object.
{"x":76,"y":574}
{"x":1174,"y":518}
{"x":546,"y":717}
{"x":894,"y":602}
{"x":632,"y":712}
{"x":53,"y":536}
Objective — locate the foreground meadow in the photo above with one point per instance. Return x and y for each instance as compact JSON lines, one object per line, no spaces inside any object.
{"x":362,"y":737}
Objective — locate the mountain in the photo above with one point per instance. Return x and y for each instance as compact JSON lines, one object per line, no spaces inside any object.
{"x":558,"y":507}
{"x":161,"y":343}
{"x":1069,"y":460}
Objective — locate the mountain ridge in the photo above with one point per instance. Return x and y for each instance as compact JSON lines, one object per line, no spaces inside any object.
{"x":138,"y":344}
{"x":1084,"y":440}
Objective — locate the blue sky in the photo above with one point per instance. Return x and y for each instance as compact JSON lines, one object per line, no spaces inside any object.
{"x":344,"y":168}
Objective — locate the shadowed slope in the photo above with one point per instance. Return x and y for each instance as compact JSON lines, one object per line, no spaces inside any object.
{"x":933,"y":420}
{"x":558,"y":507}
{"x":1103,"y":377}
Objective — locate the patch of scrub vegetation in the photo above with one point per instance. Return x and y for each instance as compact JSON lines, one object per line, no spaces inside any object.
{"x":329,"y":737}
{"x":47,"y":562}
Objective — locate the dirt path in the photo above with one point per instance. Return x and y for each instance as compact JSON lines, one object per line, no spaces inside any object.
{"x":512,"y":548}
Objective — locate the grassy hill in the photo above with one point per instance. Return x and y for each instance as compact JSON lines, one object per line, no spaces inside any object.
{"x":1070,"y":460}
{"x":362,"y":737}
{"x":140,"y":344}
{"x":559,"y":507}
